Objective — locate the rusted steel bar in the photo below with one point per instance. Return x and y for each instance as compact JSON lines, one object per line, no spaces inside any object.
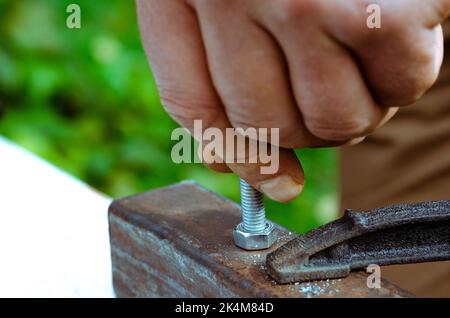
{"x":177,"y":242}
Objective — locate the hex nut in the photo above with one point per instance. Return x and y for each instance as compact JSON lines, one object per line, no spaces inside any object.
{"x":254,"y":241}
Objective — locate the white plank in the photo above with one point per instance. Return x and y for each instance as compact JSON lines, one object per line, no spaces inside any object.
{"x":54,"y":239}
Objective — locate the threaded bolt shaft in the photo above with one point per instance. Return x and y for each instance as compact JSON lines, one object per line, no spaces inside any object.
{"x":253,"y":212}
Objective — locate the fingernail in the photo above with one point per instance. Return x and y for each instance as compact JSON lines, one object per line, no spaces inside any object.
{"x":354,"y":141}
{"x":282,"y":188}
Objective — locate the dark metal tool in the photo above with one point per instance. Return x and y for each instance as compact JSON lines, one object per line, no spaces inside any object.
{"x":400,"y":234}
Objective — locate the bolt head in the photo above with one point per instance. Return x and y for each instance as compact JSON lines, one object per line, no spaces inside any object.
{"x":254,"y":241}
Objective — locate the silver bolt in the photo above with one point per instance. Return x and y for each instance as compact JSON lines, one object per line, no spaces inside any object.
{"x":255,"y":232}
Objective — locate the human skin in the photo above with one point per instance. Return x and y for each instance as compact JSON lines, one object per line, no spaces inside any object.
{"x":311,"y":68}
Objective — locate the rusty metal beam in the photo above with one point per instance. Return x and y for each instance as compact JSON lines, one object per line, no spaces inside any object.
{"x":177,"y":242}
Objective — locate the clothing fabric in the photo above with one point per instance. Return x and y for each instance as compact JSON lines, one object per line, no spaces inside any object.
{"x":406,"y":161}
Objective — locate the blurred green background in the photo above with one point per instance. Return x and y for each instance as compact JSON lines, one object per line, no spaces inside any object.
{"x":86,"y":101}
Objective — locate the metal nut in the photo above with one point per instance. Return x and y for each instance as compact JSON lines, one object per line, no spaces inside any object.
{"x":254,"y":241}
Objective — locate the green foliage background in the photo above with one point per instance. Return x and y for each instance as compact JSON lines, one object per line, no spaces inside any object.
{"x":86,"y":101}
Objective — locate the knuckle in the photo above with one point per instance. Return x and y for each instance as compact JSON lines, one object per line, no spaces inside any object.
{"x":404,"y":98}
{"x":410,"y":85}
{"x":338,"y":130}
{"x":427,"y":74}
{"x":404,"y":68}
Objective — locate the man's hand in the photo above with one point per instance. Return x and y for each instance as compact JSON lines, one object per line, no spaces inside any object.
{"x":311,"y":68}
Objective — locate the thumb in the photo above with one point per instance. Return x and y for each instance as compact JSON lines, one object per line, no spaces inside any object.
{"x":285,"y":184}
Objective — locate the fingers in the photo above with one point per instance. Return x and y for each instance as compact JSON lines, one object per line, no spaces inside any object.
{"x":178,"y":62}
{"x":180,"y":68}
{"x":311,"y":68}
{"x":272,"y":170}
{"x":286,"y":184}
{"x":329,"y":89}
{"x":249,"y":72}
{"x":402,"y":58}
{"x":401,"y":69}
{"x":331,"y":93}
